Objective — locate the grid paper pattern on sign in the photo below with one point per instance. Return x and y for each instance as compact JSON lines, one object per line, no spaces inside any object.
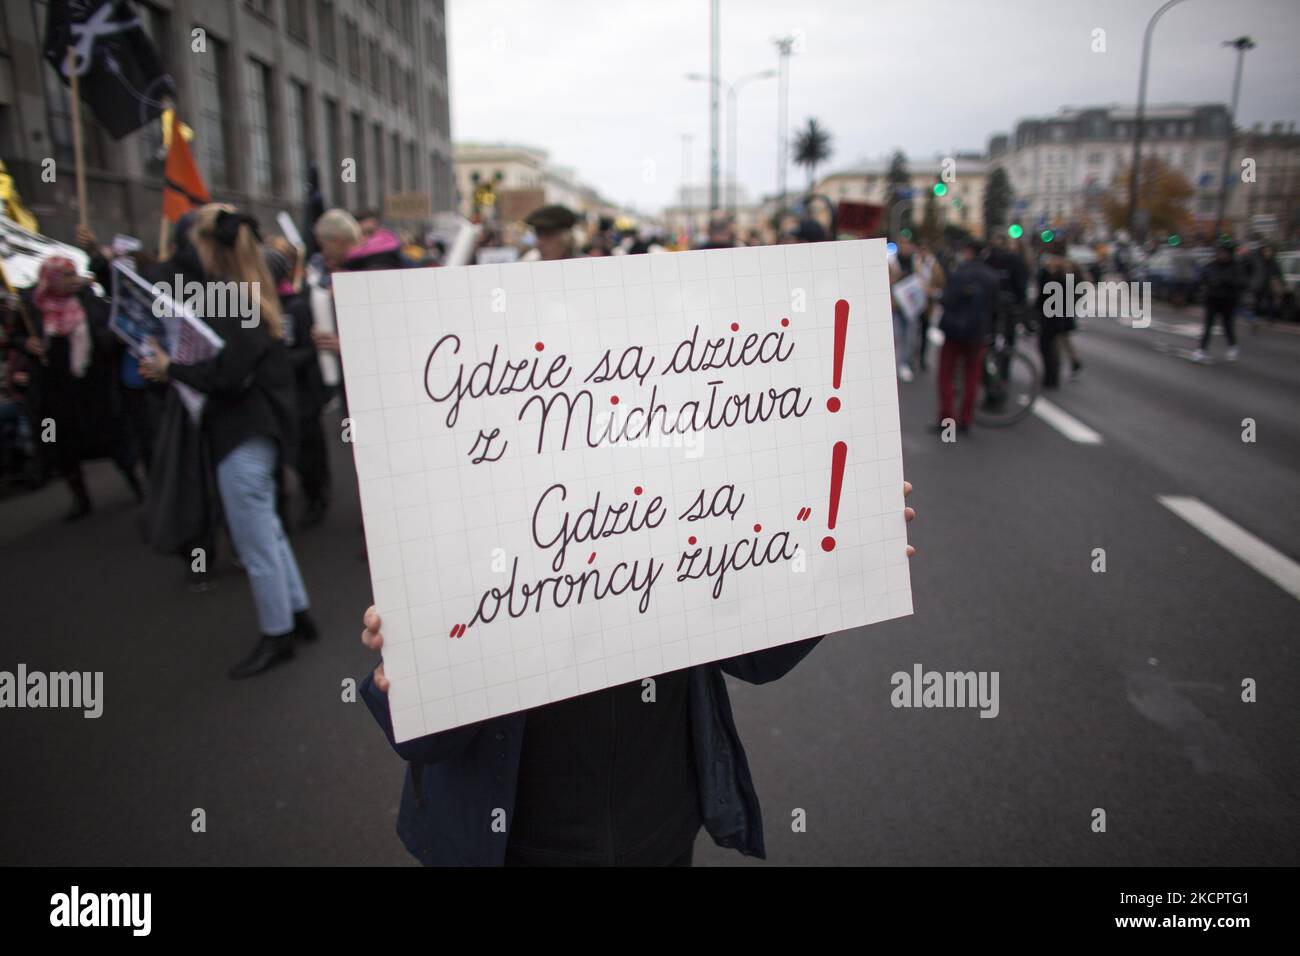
{"x":442,"y":533}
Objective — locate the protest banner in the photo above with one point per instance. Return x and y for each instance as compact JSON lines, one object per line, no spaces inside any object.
{"x":408,"y":207}
{"x":141,"y":311}
{"x":578,"y":474}
{"x":23,"y":251}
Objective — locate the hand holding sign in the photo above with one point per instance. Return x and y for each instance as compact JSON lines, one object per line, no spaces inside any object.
{"x":575,"y":474}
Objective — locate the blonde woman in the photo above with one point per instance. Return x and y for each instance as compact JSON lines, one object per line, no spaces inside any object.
{"x":250,"y":424}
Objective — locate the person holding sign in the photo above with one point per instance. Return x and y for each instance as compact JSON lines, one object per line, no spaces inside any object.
{"x":623,"y":776}
{"x":250,"y":421}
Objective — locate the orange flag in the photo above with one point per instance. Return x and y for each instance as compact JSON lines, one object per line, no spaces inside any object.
{"x":183,"y":187}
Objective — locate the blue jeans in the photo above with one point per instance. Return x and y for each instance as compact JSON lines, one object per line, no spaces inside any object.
{"x":246,"y":478}
{"x":904,"y":336}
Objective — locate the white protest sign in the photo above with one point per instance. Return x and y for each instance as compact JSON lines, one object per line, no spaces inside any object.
{"x":578,"y":474}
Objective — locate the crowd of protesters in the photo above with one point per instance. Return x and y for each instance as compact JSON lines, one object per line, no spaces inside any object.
{"x":71,"y":391}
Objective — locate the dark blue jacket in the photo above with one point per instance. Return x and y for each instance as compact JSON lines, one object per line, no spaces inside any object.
{"x":458,"y":779}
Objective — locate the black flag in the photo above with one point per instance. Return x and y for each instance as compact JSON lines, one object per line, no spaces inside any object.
{"x":119,"y":74}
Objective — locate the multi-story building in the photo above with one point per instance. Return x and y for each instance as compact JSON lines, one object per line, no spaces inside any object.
{"x":1060,"y":166}
{"x":964,"y":175}
{"x":268,"y":87}
{"x":520,"y":176}
{"x":1264,"y":195}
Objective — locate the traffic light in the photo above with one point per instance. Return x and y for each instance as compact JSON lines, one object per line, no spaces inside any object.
{"x":941,"y":189}
{"x":1014,"y":231}
{"x":1047,"y":235}
{"x":1175,"y":240}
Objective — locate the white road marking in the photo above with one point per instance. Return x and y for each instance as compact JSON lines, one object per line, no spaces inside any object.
{"x":1260,"y":555}
{"x":1065,"y":423}
{"x":1191,"y":330}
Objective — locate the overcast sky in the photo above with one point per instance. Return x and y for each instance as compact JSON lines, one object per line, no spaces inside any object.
{"x":602,"y":86}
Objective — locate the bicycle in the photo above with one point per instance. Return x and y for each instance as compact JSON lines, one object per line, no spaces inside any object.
{"x":1012,"y":380}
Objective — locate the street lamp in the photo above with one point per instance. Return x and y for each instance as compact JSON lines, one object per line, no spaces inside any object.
{"x":733,"y":90}
{"x":1241,"y":45}
{"x":784,"y":47}
{"x":1137,"y":126}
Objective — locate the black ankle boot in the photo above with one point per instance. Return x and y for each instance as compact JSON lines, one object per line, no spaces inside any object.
{"x":270,"y":650}
{"x":304,"y":628}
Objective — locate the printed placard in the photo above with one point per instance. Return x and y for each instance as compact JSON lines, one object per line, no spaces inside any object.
{"x":577,"y":474}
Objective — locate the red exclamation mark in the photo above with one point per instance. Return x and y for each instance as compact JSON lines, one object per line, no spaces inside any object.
{"x":841,"y":333}
{"x":839,"y":454}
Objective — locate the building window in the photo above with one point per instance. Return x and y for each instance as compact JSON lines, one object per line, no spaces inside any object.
{"x":381,"y":188}
{"x":376,"y":66}
{"x":359,"y":159}
{"x":260,"y":111}
{"x":1211,"y":155}
{"x":299,"y":137}
{"x":412,"y":167}
{"x":395,"y":155}
{"x":325,"y":39}
{"x":395,"y":81}
{"x":354,"y":47}
{"x":333,"y":141}
{"x":439,"y":50}
{"x":213,"y":132}
{"x":295,"y":19}
{"x":156,"y":26}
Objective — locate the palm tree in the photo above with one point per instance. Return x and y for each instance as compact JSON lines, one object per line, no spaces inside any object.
{"x":812,"y":147}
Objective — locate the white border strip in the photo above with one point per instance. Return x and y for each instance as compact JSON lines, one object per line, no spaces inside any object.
{"x":1260,"y":555}
{"x":1065,"y":423}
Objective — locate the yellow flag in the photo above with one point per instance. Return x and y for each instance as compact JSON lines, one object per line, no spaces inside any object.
{"x":168,"y":120}
{"x":13,"y":203}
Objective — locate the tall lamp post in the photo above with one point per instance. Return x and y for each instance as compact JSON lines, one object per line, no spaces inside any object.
{"x":733,"y":90}
{"x":784,"y":47}
{"x":1241,"y":45}
{"x":686,"y":187}
{"x":714,"y":56}
{"x":1141,"y":111}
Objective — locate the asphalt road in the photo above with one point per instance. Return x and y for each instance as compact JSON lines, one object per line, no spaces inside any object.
{"x":1118,"y":690}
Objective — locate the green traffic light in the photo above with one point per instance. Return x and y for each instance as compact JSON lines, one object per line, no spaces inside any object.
{"x":1175,"y":239}
{"x":940,"y":189}
{"x":1047,"y":235}
{"x":1015,"y":232}
{"x":905,"y":233}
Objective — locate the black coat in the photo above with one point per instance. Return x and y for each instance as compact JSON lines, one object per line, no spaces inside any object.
{"x":312,"y":391}
{"x":86,"y":411}
{"x":250,"y":389}
{"x":456,"y":778}
{"x":968,"y":301}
